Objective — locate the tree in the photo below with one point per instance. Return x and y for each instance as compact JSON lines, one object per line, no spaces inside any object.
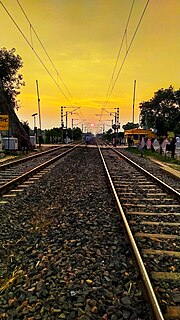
{"x":11,"y":79}
{"x":130,"y":125}
{"x":77,"y":133}
{"x":108,"y":135}
{"x":26,"y":127}
{"x":162,"y":112}
{"x":10,"y":82}
{"x":53,"y":135}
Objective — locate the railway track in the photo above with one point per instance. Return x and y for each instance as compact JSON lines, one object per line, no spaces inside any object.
{"x":61,"y":253}
{"x":150,"y":210}
{"x":156,"y":170}
{"x":152,"y":215}
{"x":15,"y":172}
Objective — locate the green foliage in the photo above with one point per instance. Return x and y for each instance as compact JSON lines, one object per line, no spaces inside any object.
{"x":177,"y":128}
{"x":53,"y":135}
{"x":56,"y":135}
{"x":77,"y":133}
{"x":9,"y":67}
{"x":108,"y":135}
{"x":26,"y":127}
{"x":155,"y":155}
{"x":130,"y":125}
{"x":162,"y":112}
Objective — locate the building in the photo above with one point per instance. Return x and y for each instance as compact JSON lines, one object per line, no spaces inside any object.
{"x":137,"y":134}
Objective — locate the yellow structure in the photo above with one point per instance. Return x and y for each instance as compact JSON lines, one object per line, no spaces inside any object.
{"x":4,"y":122}
{"x":137,"y":134}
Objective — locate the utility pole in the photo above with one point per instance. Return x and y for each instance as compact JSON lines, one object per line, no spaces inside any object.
{"x":117,"y":116}
{"x":62,"y":115}
{"x":117,"y":121}
{"x":66,"y":120}
{"x":62,"y":123}
{"x":72,"y":129}
{"x":39,"y":112}
{"x":35,"y":128}
{"x":134,"y":99}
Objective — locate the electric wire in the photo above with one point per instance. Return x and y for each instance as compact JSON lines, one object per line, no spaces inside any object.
{"x":35,"y":53}
{"x":32,"y":28}
{"x":127,"y":51}
{"x":129,"y":47}
{"x":120,"y":48}
{"x":117,"y":76}
{"x":118,"y":55}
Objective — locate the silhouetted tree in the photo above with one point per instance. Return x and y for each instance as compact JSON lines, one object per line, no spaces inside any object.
{"x":11,"y":79}
{"x":162,"y":112}
{"x":108,"y":135}
{"x":130,"y":125}
{"x":10,"y":82}
{"x":26,"y":127}
{"x":53,"y":135}
{"x":77,"y":133}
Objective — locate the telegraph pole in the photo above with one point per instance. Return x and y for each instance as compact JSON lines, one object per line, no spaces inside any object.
{"x":62,"y":115}
{"x":66,"y":119}
{"x":39,"y":112}
{"x":117,"y":121}
{"x":62,"y":123}
{"x":134,"y":99}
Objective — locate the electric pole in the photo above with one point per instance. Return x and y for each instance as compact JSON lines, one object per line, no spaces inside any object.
{"x":39,"y":112}
{"x":134,"y":99}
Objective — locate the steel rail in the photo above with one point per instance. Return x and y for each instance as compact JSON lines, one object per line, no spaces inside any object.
{"x":169,"y":188}
{"x":6,"y":187}
{"x":149,"y":289}
{"x":25,"y":159}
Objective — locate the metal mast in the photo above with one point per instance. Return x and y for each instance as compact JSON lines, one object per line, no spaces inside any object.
{"x":134,"y":99}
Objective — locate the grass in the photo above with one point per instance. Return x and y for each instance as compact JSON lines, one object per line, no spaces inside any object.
{"x":8,"y":282}
{"x":149,"y":154}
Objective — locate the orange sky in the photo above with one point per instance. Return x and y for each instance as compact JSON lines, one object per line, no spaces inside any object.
{"x":82,"y":38}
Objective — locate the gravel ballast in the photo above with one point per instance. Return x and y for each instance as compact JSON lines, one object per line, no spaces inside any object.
{"x":63,"y":252}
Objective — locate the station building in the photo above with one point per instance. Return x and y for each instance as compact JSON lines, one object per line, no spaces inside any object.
{"x":137,"y":134}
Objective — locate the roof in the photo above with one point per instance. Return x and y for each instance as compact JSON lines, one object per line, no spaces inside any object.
{"x":138,"y":131}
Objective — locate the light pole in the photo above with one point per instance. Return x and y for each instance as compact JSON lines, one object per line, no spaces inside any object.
{"x":39,"y":110}
{"x":66,"y":120}
{"x":35,"y":128}
{"x":134,"y":94}
{"x":73,"y":126}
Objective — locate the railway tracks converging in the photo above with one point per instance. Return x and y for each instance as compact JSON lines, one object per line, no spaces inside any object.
{"x":64,"y":253}
{"x":156,"y":170}
{"x":15,"y":172}
{"x":151,"y":212}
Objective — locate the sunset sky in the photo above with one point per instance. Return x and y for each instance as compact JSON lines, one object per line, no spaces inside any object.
{"x":82,"y":39}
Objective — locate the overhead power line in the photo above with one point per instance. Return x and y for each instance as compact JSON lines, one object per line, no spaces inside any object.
{"x":127,"y":51}
{"x":120,"y":48}
{"x":35,"y":52}
{"x":32,"y":29}
{"x":117,"y":59}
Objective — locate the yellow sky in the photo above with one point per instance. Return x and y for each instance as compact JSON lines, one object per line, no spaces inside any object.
{"x":82,"y":38}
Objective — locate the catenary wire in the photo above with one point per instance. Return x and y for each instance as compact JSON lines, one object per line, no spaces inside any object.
{"x":120,"y":48}
{"x":118,"y":55}
{"x":32,"y":28}
{"x":126,"y":54}
{"x":128,"y":49}
{"x":35,"y":53}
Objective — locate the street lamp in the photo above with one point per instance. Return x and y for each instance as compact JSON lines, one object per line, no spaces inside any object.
{"x":35,"y":128}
